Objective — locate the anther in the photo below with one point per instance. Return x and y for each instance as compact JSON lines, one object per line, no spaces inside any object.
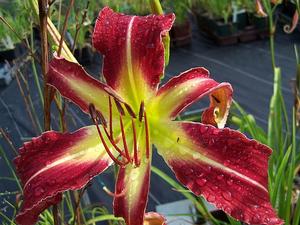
{"x":101,"y":118}
{"x":130,"y":110}
{"x":92,"y":112}
{"x":119,"y":107}
{"x":141,"y":111}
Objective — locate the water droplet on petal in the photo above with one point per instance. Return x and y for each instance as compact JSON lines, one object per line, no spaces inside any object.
{"x":229,"y":182}
{"x":226,"y":163}
{"x":39,"y":191}
{"x":227,"y":195}
{"x":188,"y":171}
{"x":201,"y":182}
{"x":220,"y":177}
{"x":256,"y":219}
{"x":211,"y":198}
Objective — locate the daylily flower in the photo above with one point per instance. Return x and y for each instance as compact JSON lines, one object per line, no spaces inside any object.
{"x":130,"y":114}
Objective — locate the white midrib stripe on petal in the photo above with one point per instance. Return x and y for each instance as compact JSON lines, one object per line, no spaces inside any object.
{"x":208,"y":161}
{"x":63,"y":160}
{"x":129,"y":59}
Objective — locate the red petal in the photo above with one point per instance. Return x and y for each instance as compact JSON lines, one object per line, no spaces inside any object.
{"x":133,"y":183}
{"x":153,"y":218}
{"x":224,"y":166}
{"x":133,"y":50}
{"x":181,"y":91}
{"x":73,"y":82}
{"x":55,"y":162}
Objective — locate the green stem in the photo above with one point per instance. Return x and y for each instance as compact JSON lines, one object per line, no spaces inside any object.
{"x":35,"y":74}
{"x":10,"y":167}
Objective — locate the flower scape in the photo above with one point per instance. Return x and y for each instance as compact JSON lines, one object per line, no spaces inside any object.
{"x":130,"y":114}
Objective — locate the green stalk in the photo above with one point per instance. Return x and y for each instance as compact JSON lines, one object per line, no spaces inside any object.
{"x":103,"y":218}
{"x":156,"y":8}
{"x":2,"y":153}
{"x":291,"y":174}
{"x":35,"y":75}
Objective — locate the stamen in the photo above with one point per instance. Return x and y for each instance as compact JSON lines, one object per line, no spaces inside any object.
{"x":135,"y":150}
{"x":119,"y":107}
{"x":141,"y":111}
{"x":92,"y":111}
{"x":115,"y":145}
{"x":96,"y":117}
{"x":120,"y":163}
{"x":147,"y":136}
{"x":124,"y":140}
{"x":101,"y":118}
{"x":130,"y":110}
{"x":110,"y":117}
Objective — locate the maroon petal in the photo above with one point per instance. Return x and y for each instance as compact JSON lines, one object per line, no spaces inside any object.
{"x":74,"y":83}
{"x":132,"y":189}
{"x":56,"y":162}
{"x":223,"y":165}
{"x":133,"y":50}
{"x":188,"y":87}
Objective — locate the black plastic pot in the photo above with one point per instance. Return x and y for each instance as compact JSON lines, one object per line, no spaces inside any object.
{"x":181,"y":34}
{"x":261,"y":23}
{"x":242,"y":20}
{"x":249,"y":33}
{"x":84,"y":55}
{"x":11,"y":54}
{"x":225,"y":29}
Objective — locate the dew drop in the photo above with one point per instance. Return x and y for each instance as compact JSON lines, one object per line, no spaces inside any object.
{"x":188,"y":171}
{"x":227,"y":210}
{"x":227,"y":195}
{"x":256,"y":219}
{"x":229,"y":182}
{"x":39,"y":191}
{"x":214,"y":188}
{"x":201,"y":182}
{"x":220,"y":177}
{"x":211,"y":198}
{"x":226,"y":163}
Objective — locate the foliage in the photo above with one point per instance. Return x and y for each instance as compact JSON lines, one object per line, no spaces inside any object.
{"x":217,"y":9}
{"x":180,"y":8}
{"x":18,"y":15}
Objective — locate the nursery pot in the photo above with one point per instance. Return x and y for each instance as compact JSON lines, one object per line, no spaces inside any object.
{"x":225,"y":29}
{"x":11,"y":54}
{"x":84,"y":55}
{"x":181,"y":34}
{"x":242,"y":20}
{"x":261,"y":23}
{"x":249,"y":33}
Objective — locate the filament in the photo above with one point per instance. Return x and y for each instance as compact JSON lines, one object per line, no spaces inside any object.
{"x":135,"y":150}
{"x":147,"y":136}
